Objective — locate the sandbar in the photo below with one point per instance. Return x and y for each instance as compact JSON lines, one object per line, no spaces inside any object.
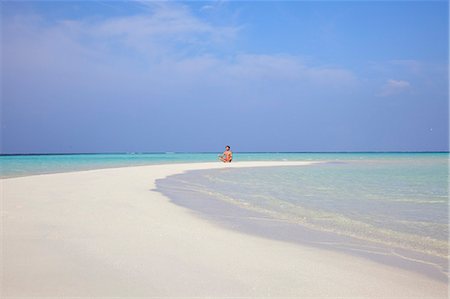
{"x":109,"y":233}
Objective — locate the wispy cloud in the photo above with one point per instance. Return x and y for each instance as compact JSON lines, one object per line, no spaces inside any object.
{"x":162,"y":73}
{"x":165,"y":46}
{"x":413,"y":66}
{"x":162,"y":29}
{"x":393,"y":87}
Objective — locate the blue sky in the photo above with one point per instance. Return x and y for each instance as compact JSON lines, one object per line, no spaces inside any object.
{"x":111,"y":76}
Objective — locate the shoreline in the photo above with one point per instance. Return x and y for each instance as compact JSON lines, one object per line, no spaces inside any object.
{"x":162,"y":163}
{"x":95,"y":168}
{"x":107,"y":232}
{"x":310,"y":156}
{"x":235,"y":217}
{"x":192,"y":166}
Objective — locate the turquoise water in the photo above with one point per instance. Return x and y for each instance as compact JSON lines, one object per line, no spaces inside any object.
{"x":398,"y":201}
{"x":395,"y":200}
{"x":22,"y":165}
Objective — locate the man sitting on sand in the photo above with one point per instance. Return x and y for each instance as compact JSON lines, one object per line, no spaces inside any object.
{"x":227,"y":155}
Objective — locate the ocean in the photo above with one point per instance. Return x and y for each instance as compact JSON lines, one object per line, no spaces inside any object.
{"x":391,"y":204}
{"x":23,"y":165}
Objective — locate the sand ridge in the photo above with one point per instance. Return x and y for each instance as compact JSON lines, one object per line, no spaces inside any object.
{"x":108,"y":233}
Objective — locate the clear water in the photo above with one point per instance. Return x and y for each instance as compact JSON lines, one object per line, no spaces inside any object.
{"x":22,"y":165}
{"x":394,"y":200}
{"x":398,"y":200}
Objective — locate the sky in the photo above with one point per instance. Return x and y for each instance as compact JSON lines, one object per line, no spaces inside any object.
{"x":140,"y":76}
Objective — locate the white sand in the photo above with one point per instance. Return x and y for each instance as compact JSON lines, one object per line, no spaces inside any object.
{"x":106,"y":233}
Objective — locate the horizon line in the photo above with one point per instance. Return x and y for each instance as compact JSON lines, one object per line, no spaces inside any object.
{"x":214,"y":152}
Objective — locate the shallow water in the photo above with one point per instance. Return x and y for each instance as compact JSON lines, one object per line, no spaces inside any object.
{"x":23,"y":165}
{"x":393,"y":202}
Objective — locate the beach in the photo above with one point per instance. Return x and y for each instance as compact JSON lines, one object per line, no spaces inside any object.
{"x":109,"y":233}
